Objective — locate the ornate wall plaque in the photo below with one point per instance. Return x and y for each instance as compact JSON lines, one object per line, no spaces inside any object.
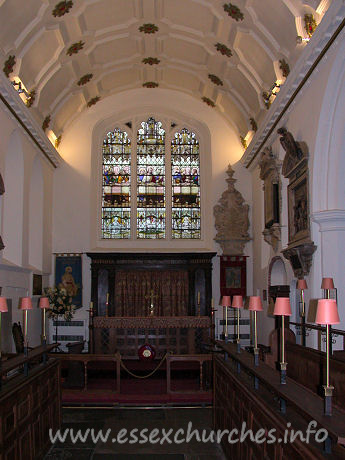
{"x":231,"y":219}
{"x":269,"y":172}
{"x":300,"y":248}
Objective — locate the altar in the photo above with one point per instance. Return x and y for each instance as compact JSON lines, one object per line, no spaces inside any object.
{"x":161,"y":299}
{"x":176,"y":335}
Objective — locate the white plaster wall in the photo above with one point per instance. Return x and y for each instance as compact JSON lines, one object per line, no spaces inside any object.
{"x":304,"y":122}
{"x":75,"y":182}
{"x":15,"y":270}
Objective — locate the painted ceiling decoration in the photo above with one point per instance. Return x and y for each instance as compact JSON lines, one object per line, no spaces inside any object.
{"x":310,"y":24}
{"x":150,"y":84}
{"x":284,"y":67}
{"x":93,"y":101}
{"x":208,"y":101}
{"x":149,"y":28}
{"x":214,"y":79}
{"x":253,"y":124}
{"x":84,"y":79}
{"x":58,"y":141}
{"x":223,"y":49}
{"x":75,"y":48}
{"x":243,"y":142}
{"x":31,"y":98}
{"x":46,"y":122}
{"x":233,"y":11}
{"x":109,"y":43}
{"x":8,"y":65}
{"x":151,"y":60}
{"x":62,"y":8}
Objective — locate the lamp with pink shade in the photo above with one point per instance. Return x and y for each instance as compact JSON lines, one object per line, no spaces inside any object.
{"x":26,"y":305}
{"x":3,"y":309}
{"x":237,"y":302}
{"x":327,"y":313}
{"x":327,"y":284}
{"x":226,"y":302}
{"x":255,"y":305}
{"x":44,"y":305}
{"x":282,"y":308}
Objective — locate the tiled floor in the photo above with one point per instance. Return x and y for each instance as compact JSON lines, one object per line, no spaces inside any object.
{"x":117,"y":419}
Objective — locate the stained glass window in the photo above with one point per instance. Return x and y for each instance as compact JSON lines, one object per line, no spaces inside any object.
{"x":185,"y":169}
{"x":151,"y":180}
{"x":116,"y":196}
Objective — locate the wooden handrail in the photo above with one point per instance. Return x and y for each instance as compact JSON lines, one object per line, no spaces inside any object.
{"x":305,"y":402}
{"x":318,"y":328}
{"x":22,"y":359}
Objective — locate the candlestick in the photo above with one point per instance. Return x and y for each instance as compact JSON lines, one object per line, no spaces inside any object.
{"x":3,"y":309}
{"x":107,"y":305}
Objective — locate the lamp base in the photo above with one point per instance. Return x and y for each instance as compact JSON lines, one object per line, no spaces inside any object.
{"x":256,"y":356}
{"x":328,"y":399}
{"x":283,"y":367}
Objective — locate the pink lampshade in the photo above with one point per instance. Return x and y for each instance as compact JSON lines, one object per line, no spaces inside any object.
{"x":255,"y":303}
{"x":226,"y":301}
{"x":3,"y":305}
{"x":282,"y":307}
{"x":327,"y":283}
{"x":327,"y":312}
{"x":26,"y":303}
{"x":302,"y":284}
{"x":237,"y":301}
{"x":44,"y":302}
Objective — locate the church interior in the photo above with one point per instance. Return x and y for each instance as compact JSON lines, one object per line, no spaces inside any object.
{"x":172,"y":223}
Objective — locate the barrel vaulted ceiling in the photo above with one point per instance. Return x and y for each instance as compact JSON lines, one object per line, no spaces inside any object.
{"x":71,"y":54}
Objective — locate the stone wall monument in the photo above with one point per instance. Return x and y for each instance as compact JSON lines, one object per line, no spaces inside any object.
{"x":231,"y":219}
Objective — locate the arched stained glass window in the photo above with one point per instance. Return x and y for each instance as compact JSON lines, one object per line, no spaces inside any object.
{"x":151,"y":180}
{"x":185,"y":172}
{"x":116,"y":196}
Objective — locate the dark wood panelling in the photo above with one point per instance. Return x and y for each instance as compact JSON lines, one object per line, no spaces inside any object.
{"x":235,"y":403}
{"x":29,"y":407}
{"x":308,"y":367}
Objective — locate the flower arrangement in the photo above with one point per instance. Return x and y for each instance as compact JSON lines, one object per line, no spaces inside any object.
{"x":60,"y":303}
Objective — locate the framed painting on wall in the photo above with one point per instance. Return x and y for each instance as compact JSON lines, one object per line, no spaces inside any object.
{"x":233,"y":275}
{"x":68,"y":275}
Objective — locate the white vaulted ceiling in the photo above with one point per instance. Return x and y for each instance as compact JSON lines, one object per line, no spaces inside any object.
{"x":114,"y":48}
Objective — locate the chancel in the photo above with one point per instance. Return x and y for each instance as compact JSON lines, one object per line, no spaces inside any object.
{"x":172,"y":221}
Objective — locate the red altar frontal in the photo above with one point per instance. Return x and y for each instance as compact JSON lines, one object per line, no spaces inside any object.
{"x":178,"y":335}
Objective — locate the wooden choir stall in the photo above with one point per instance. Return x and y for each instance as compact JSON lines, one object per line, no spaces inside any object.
{"x":161,"y":299}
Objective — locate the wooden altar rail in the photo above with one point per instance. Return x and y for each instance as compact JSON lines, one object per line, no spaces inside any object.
{"x":86,"y":358}
{"x":22,"y":360}
{"x":256,"y":393}
{"x":30,"y":405}
{"x":201,"y":359}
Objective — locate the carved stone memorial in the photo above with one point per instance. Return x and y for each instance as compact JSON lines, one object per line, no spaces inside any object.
{"x":231,"y":219}
{"x":300,"y":248}
{"x":270,"y":173}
